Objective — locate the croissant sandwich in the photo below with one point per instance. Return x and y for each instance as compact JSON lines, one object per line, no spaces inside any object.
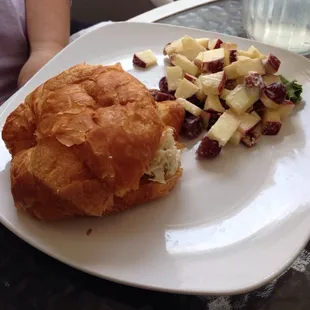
{"x":92,"y":141}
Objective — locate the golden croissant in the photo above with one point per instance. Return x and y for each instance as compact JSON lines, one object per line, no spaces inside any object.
{"x":92,"y":141}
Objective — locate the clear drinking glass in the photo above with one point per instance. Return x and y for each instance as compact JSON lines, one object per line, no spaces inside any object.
{"x":282,"y":23}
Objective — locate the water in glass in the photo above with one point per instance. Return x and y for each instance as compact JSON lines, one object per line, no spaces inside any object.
{"x":283,"y":23}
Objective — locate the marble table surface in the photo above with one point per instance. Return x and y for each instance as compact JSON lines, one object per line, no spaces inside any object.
{"x":30,"y":280}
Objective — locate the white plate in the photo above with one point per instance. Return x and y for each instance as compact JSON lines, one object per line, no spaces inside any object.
{"x":231,"y":224}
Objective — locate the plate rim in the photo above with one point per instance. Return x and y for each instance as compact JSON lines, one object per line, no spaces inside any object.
{"x":230,"y":292}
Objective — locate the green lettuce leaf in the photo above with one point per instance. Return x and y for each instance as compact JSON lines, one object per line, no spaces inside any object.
{"x":294,"y":90}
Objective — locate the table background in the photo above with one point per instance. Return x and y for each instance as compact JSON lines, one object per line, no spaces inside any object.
{"x":223,"y":16}
{"x":30,"y":279}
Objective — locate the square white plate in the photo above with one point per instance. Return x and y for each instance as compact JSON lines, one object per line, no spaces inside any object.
{"x":230,"y":225}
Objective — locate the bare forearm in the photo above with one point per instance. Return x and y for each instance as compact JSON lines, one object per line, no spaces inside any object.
{"x":48,"y":24}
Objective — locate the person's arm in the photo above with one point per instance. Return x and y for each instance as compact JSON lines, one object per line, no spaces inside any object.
{"x":48,"y":27}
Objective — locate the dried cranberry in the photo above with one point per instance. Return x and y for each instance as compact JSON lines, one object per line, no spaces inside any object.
{"x":252,"y":137}
{"x":194,"y":100}
{"x":192,"y":127}
{"x":160,"y":96}
{"x":172,"y":93}
{"x":249,"y":141}
{"x":213,"y":67}
{"x":223,"y":102}
{"x":163,"y":85}
{"x":208,"y":148}
{"x":232,"y":56}
{"x":213,"y":119}
{"x":276,"y":92}
{"x":253,"y":79}
{"x":259,"y":108}
{"x":230,"y":84}
{"x":272,"y":64}
{"x":271,"y":128}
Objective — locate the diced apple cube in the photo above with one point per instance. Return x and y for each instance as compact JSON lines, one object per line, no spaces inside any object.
{"x":186,"y":65}
{"x":241,"y":53}
{"x":224,"y":128}
{"x":252,"y":52}
{"x":270,"y":78}
{"x":205,"y":118}
{"x":212,"y":61}
{"x":203,"y":42}
{"x":235,"y":138}
{"x":229,"y":45}
{"x":215,"y":44}
{"x":174,"y":47}
{"x":174,"y":75}
{"x":191,"y":48}
{"x":241,"y":99}
{"x":213,"y":104}
{"x":253,"y":113}
{"x":271,"y":122}
{"x":272,"y":64}
{"x":198,"y":60}
{"x":189,"y":107}
{"x":230,"y":50}
{"x":240,"y":80}
{"x":255,"y":53}
{"x":243,"y":67}
{"x":225,"y":92}
{"x":248,"y":122}
{"x":285,"y":109}
{"x":144,"y":59}
{"x":242,"y":57}
{"x":200,"y":94}
{"x":186,"y":89}
{"x":268,"y":103}
{"x":213,"y":83}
